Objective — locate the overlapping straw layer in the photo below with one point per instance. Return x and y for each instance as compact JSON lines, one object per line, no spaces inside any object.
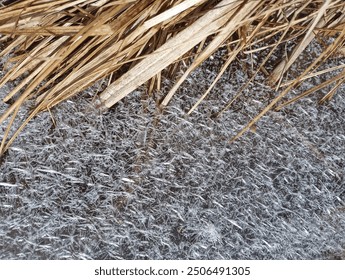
{"x":59,"y":48}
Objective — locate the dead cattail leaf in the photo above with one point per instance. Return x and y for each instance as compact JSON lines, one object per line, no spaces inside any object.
{"x":59,"y":48}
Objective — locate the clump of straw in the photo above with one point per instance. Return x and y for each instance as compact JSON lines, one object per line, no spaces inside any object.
{"x":59,"y":48}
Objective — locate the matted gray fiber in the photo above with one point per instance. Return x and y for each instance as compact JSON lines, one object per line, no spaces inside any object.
{"x":135,"y":183}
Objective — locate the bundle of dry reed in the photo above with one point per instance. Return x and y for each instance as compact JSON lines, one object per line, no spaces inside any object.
{"x":59,"y":48}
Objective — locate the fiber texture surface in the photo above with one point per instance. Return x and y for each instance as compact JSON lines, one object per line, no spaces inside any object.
{"x":135,"y":183}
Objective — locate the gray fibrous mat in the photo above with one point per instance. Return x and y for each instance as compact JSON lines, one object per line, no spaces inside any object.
{"x":137,"y":183}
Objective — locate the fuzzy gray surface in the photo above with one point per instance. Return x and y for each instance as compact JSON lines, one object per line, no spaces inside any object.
{"x":135,"y":183}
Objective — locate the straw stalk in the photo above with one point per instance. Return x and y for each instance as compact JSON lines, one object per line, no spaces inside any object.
{"x":58,"y":48}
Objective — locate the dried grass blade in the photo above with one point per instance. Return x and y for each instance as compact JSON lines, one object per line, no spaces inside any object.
{"x":168,"y":53}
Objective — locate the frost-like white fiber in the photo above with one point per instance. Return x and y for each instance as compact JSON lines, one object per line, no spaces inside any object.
{"x":135,"y":183}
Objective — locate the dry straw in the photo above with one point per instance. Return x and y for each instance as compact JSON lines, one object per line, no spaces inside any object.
{"x":59,"y":48}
